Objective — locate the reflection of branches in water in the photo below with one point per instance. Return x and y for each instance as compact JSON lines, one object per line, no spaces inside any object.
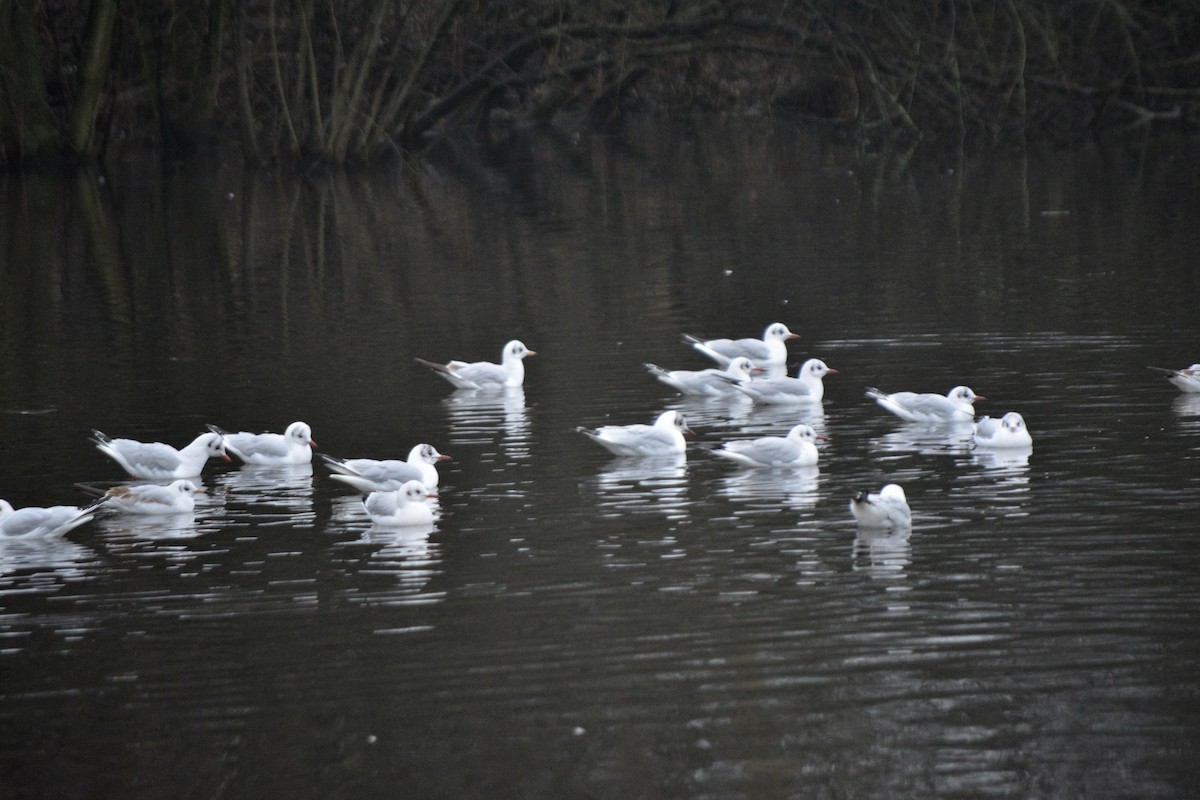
{"x":643,"y":484}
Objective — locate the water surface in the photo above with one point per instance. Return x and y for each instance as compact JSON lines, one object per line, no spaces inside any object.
{"x":575,"y":625}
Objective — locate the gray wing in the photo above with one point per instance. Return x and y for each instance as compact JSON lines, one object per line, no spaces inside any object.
{"x":40,"y":521}
{"x":766,"y":450}
{"x":987,"y":427}
{"x":382,"y":503}
{"x":754,"y":349}
{"x":261,"y":444}
{"x":382,"y":471}
{"x":789,"y":388}
{"x":638,"y":439}
{"x":933,"y":405}
{"x":153,"y":456}
{"x":482,"y":372}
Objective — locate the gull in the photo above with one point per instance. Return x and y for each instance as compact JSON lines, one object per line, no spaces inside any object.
{"x":664,"y":437}
{"x":807,"y":387}
{"x":156,"y":461}
{"x":401,"y":507}
{"x":954,"y":406}
{"x":32,"y":521}
{"x":888,"y":509}
{"x":706,"y":382}
{"x":1008,"y":431}
{"x":797,"y":449}
{"x":1186,"y":380}
{"x":509,"y":373}
{"x":294,"y":446}
{"x":371,"y":475}
{"x":770,"y":350}
{"x":178,"y":497}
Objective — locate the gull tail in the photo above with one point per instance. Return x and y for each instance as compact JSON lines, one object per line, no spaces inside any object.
{"x":335,"y":464}
{"x":442,"y":368}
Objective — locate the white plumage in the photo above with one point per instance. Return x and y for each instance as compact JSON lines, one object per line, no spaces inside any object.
{"x":808,"y":387}
{"x":664,"y":437}
{"x":887,"y":509}
{"x":797,"y":449}
{"x":768,"y":351}
{"x":509,"y":373}
{"x":954,"y":406}
{"x":156,"y":461}
{"x":1008,"y":431}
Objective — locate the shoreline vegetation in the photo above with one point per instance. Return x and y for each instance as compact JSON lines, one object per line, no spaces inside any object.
{"x":353,"y":82}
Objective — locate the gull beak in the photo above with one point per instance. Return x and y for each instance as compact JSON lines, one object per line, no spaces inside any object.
{"x":832,"y":371}
{"x":793,"y":336}
{"x":312,"y":443}
{"x":443,"y":457}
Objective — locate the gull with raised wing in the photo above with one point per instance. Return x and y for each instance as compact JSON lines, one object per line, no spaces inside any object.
{"x":1007,"y":432}
{"x":808,"y":387}
{"x":403,"y":507}
{"x":887,"y":509}
{"x":35,"y":522}
{"x":797,"y":449}
{"x":156,"y":461}
{"x":706,"y":382}
{"x":1185,"y":380}
{"x":372,"y":475}
{"x":663,"y":438}
{"x":954,"y":406}
{"x":509,"y":373}
{"x":293,"y":446}
{"x":769,"y":351}
{"x":178,"y":497}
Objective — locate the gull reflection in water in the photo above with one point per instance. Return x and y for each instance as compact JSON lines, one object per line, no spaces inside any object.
{"x":944,"y":439}
{"x":269,"y":494}
{"x":1010,"y":460}
{"x":404,"y":554}
{"x":1187,"y":406}
{"x":656,"y":484}
{"x":883,"y":554}
{"x":478,"y":417}
{"x":795,"y":487}
{"x":709,"y":412}
{"x":39,"y":556}
{"x":149,"y":527}
{"x":757,"y":419}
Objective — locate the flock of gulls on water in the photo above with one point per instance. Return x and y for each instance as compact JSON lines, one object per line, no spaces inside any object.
{"x":395,"y":492}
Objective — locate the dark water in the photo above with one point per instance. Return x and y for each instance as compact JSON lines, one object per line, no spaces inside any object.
{"x":575,"y":626}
